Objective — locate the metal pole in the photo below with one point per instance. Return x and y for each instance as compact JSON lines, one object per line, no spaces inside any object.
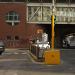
{"x":52,"y":23}
{"x":52,"y":56}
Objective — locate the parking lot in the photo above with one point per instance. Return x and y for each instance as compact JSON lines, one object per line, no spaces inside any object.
{"x":19,"y":62}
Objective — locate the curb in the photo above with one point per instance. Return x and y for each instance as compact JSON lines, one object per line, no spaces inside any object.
{"x":33,"y":56}
{"x":34,"y":59}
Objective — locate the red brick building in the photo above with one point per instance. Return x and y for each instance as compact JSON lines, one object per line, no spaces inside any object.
{"x":14,"y":30}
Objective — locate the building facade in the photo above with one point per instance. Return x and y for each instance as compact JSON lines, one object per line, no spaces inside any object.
{"x":15,"y":31}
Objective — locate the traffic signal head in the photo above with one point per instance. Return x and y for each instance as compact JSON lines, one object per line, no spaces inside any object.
{"x":53,"y":19}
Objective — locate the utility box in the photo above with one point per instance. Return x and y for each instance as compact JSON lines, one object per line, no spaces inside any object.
{"x":52,"y":56}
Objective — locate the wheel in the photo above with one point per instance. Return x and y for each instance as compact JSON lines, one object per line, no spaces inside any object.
{"x":0,"y":52}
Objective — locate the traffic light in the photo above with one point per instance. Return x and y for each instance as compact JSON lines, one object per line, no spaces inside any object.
{"x":54,"y":19}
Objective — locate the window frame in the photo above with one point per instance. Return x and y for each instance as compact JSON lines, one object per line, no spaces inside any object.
{"x":10,"y":18}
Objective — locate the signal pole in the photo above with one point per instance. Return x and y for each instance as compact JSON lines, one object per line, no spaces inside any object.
{"x":52,"y":56}
{"x":52,"y":24}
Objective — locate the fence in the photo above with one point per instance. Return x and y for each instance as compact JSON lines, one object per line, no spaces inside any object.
{"x":16,"y":43}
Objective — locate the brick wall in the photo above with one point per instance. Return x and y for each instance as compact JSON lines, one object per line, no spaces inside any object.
{"x":24,"y":30}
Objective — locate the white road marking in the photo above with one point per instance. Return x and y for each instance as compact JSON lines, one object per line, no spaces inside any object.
{"x":15,"y":53}
{"x":12,"y":59}
{"x":24,"y":53}
{"x":66,"y":49}
{"x":8,"y":53}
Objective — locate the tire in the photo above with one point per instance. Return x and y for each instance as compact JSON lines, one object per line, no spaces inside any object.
{"x":1,"y":53}
{"x":68,"y":46}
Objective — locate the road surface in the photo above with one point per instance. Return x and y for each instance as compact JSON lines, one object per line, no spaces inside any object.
{"x":19,"y":62}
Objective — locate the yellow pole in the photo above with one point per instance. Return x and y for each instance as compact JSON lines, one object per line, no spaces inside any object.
{"x":52,"y":56}
{"x":52,"y":40}
{"x":52,"y":22}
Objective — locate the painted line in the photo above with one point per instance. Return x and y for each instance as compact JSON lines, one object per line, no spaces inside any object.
{"x":15,"y":53}
{"x":6,"y":53}
{"x":12,"y":53}
{"x":67,"y":49}
{"x":12,"y":59}
{"x":23,"y":53}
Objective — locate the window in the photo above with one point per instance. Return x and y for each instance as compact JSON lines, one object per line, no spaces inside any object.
{"x":12,"y":18}
{"x":16,"y":37}
{"x":8,"y":37}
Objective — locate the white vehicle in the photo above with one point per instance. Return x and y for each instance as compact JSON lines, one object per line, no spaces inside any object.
{"x":69,"y":40}
{"x":43,"y":45}
{"x":2,"y":47}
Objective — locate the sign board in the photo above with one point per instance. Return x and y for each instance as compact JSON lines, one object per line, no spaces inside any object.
{"x":41,"y":13}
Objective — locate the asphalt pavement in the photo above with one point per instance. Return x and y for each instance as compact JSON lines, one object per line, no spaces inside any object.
{"x":19,"y":62}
